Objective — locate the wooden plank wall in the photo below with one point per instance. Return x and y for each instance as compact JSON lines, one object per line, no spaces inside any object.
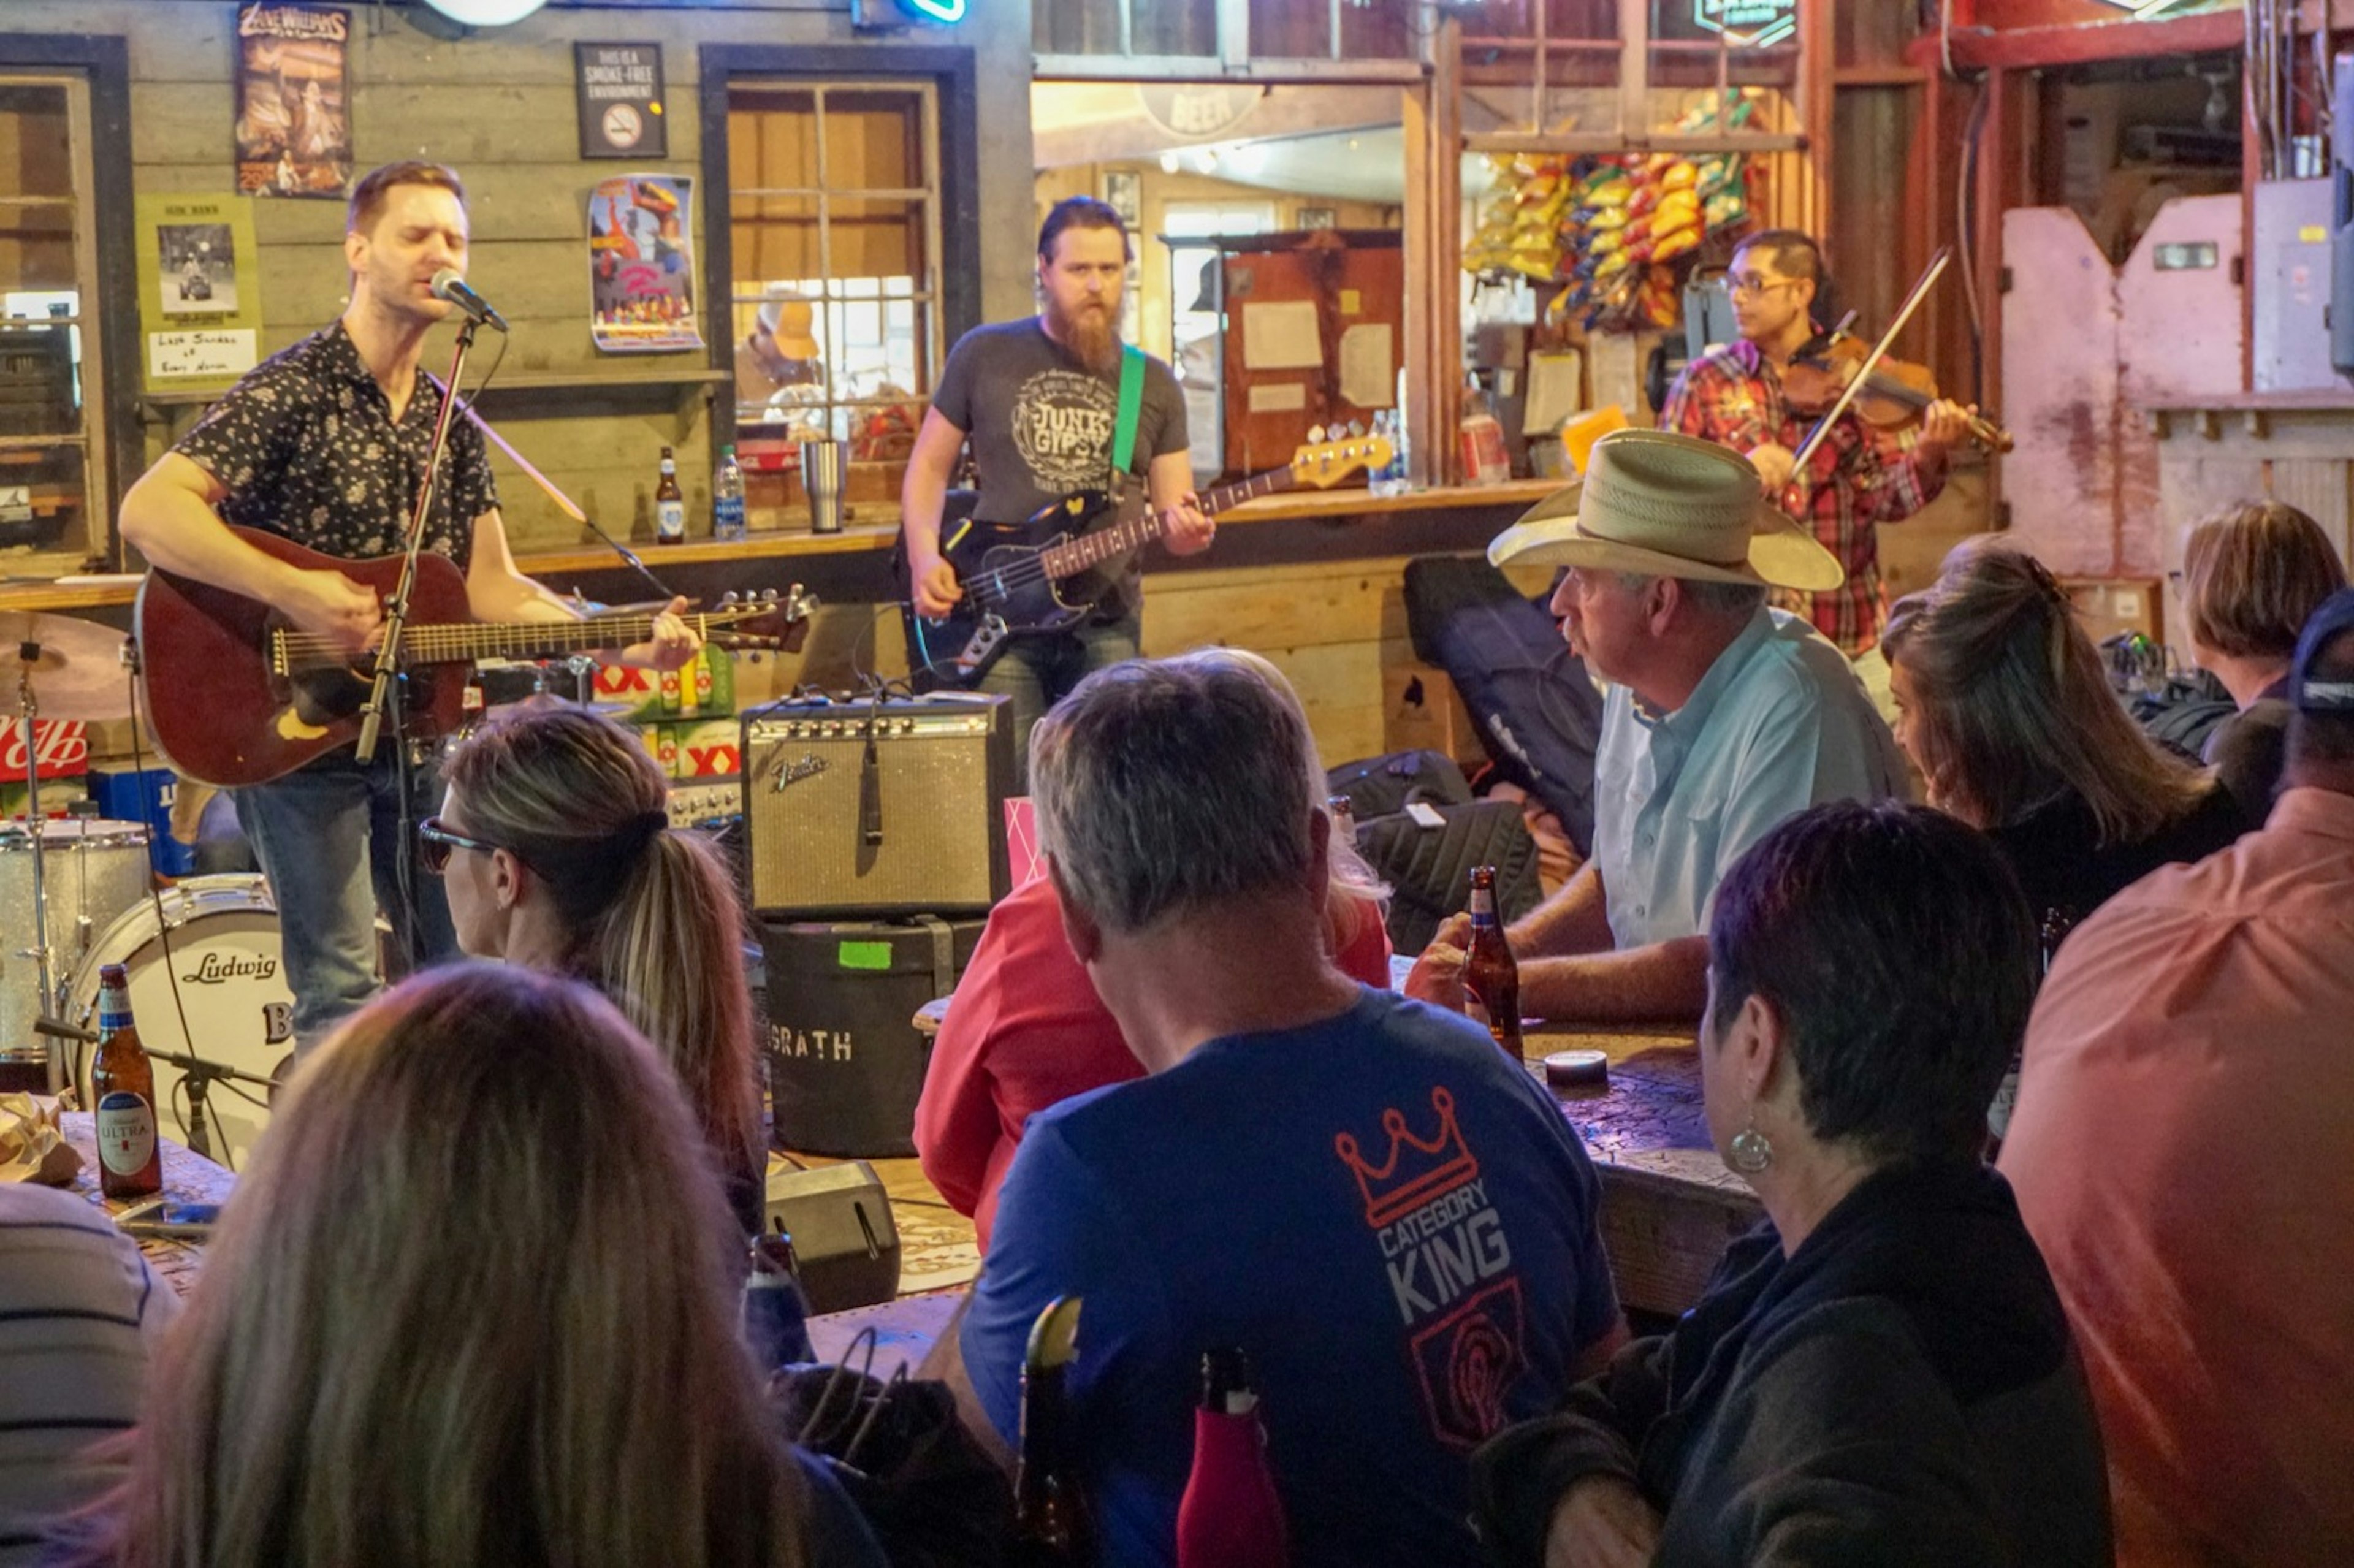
{"x":498,"y":107}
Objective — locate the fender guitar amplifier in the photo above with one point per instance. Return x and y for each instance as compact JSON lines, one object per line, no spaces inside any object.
{"x":892,"y":807}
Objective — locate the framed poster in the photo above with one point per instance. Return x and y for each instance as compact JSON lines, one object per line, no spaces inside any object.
{"x":200,"y":287}
{"x":293,"y":100}
{"x":621,"y":95}
{"x":642,"y":264}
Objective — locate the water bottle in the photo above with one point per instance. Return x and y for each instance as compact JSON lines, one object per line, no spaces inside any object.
{"x":1390,"y":478}
{"x":727,"y":497}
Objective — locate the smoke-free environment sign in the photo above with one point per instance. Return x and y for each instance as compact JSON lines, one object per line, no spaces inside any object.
{"x":621,"y":100}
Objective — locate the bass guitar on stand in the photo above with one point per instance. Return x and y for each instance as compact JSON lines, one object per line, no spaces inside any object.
{"x":1035,"y":579}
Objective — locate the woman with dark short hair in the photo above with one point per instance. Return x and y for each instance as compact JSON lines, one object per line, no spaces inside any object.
{"x":2003,"y":706}
{"x":2253,"y":573}
{"x":1881,"y":1372}
{"x":470,"y":1306}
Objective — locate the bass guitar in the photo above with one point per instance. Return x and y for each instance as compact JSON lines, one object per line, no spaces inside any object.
{"x":1042,"y":577}
{"x":239,"y":696}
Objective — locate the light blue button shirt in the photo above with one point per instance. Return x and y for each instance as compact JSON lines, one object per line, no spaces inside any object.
{"x":1779,"y":723}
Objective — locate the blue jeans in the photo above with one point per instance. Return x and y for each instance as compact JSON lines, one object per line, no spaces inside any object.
{"x":1037,"y":672}
{"x":336,"y":845}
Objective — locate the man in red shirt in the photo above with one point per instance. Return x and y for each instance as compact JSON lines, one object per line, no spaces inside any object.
{"x":1732,"y":396}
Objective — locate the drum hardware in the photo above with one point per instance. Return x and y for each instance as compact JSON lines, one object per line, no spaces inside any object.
{"x":80,"y":665}
{"x":198,"y":1074}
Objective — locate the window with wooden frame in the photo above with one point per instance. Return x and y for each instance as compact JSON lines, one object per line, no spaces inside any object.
{"x":834,"y":216}
{"x":53,"y":439}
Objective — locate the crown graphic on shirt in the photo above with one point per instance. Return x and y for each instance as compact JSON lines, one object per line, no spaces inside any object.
{"x":1415,"y":1169}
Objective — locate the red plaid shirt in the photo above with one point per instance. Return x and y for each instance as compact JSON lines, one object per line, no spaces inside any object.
{"x":1732,"y":395}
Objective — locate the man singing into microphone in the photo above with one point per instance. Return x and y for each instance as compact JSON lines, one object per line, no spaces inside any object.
{"x":325,"y":444}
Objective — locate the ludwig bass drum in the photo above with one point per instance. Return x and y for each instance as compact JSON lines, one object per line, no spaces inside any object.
{"x":221,"y":997}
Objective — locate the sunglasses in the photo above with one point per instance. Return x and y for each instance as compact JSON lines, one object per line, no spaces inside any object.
{"x":435,"y":841}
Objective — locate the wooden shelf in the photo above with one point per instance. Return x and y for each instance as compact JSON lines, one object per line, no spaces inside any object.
{"x":521,"y":394}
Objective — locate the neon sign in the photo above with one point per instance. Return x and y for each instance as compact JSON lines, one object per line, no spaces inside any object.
{"x":1748,"y":23}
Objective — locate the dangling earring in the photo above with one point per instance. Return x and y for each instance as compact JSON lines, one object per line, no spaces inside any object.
{"x":1750,"y":1153}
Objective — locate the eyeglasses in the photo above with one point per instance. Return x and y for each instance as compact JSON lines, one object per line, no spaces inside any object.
{"x":435,"y":841}
{"x":1751,"y":284}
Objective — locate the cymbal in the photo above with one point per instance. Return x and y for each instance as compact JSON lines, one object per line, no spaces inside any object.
{"x":78,"y":673}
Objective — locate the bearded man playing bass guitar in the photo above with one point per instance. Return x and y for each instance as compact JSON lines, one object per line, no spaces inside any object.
{"x":1732,"y":396}
{"x":1038,"y":399}
{"x":324,"y":444}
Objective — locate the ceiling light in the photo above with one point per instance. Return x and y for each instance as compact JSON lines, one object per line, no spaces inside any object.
{"x":486,"y":13}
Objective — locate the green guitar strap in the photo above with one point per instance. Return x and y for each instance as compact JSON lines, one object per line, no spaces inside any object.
{"x":1132,"y":401}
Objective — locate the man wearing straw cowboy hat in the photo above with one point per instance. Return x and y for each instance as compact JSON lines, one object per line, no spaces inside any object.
{"x":1723,"y":717}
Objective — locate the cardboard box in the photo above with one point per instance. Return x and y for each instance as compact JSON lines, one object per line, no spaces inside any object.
{"x":1421,"y":712}
{"x":713,"y":748}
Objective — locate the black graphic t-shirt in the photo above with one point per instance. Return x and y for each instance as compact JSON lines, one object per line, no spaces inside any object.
{"x":307,"y":449}
{"x":1041,"y":422}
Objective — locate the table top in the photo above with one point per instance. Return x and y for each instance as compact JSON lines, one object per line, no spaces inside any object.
{"x":187,"y":1176}
{"x":1648,"y":1117}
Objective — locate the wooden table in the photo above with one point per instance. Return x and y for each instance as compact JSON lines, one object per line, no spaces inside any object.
{"x":187,"y":1176}
{"x":1668,"y":1205}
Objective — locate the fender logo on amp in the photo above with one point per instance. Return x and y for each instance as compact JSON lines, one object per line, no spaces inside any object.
{"x":808,"y":766}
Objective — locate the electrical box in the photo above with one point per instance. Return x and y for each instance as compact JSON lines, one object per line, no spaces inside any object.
{"x":2290,"y":283}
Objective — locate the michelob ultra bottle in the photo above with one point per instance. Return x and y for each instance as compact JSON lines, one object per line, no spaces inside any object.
{"x":122,"y":1085}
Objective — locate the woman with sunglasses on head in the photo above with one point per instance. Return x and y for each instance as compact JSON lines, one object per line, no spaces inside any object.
{"x":2005,"y":708}
{"x":452,"y":1319}
{"x":555,"y":844}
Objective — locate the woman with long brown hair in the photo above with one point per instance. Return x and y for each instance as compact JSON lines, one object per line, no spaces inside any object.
{"x":555,"y":843}
{"x":461,"y":1313}
{"x":2005,"y":708}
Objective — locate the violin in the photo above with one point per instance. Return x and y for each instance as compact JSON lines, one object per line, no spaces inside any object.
{"x":1891,"y":397}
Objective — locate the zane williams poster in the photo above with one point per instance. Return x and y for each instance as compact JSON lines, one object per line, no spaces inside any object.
{"x":293,"y":100}
{"x":642,"y":264}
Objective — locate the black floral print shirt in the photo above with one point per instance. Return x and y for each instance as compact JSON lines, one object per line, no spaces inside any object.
{"x":309,"y":449}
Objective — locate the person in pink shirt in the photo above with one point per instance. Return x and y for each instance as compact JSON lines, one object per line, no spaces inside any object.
{"x":1027,"y":1029}
{"x":2180,"y":1152}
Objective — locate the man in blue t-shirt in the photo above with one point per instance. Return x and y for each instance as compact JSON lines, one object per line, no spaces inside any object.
{"x":1361,"y":1192}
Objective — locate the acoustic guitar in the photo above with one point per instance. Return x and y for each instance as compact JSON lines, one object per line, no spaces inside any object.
{"x":239,"y":696}
{"x":1035,"y":579}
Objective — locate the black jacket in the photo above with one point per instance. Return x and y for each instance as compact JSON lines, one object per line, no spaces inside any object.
{"x":1903,"y":1390}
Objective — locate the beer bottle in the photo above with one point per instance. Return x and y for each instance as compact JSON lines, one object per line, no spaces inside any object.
{"x":2054,"y":931}
{"x":122,"y":1084}
{"x":670,"y":503}
{"x":1488,"y":971}
{"x":1051,"y":1525}
{"x":1230,"y":1516}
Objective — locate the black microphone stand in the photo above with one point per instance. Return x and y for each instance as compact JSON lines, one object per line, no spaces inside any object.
{"x":196,"y":1075}
{"x":387,"y":658}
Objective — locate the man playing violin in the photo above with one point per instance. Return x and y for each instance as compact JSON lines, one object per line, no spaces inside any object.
{"x":1733,"y":395}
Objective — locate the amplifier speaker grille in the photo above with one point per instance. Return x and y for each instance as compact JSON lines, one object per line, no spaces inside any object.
{"x":934,"y":793}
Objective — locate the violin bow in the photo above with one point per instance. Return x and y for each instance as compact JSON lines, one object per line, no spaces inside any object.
{"x":1929,"y":275}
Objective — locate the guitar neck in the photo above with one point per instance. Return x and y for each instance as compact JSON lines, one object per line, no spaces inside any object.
{"x":1074,"y":556}
{"x":459,"y":642}
{"x":462,"y":643}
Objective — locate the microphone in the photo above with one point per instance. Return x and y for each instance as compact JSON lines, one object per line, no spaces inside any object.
{"x":448,"y":285}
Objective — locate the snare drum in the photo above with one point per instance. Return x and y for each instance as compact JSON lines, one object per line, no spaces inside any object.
{"x":92,"y":871}
{"x":226,"y":955}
